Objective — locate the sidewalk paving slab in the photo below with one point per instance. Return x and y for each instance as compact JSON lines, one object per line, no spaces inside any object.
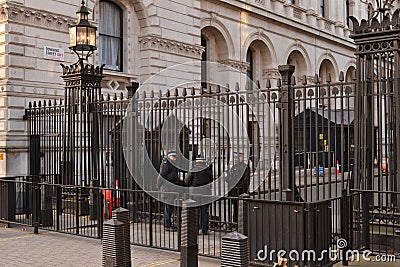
{"x":20,"y":247}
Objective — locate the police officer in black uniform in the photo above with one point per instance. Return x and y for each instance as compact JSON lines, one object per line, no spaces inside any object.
{"x":170,"y":173}
{"x":201,"y":175}
{"x":242,"y":170}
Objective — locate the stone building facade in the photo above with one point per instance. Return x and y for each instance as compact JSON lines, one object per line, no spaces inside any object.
{"x":140,"y":38}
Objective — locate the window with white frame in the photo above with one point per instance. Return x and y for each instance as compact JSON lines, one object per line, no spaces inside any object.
{"x":110,"y":35}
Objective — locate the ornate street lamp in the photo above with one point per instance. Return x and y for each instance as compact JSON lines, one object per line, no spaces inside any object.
{"x":82,"y":35}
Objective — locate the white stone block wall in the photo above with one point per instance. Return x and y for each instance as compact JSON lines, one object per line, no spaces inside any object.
{"x":157,"y":34}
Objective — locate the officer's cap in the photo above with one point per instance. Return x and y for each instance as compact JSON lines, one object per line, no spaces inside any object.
{"x":172,"y":153}
{"x":200,"y":158}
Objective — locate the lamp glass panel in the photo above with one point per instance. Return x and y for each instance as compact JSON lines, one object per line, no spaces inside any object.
{"x":81,"y":35}
{"x":72,"y":36}
{"x":92,"y":36}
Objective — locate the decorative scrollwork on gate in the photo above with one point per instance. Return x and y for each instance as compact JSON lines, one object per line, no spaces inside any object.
{"x":380,"y":19}
{"x":374,"y":47}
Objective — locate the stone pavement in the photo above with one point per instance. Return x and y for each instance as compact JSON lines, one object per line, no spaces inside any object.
{"x":20,"y":247}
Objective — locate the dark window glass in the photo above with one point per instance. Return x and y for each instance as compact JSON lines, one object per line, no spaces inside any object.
{"x":204,"y":63}
{"x":250,"y":67}
{"x":322,"y":8}
{"x":110,"y":36}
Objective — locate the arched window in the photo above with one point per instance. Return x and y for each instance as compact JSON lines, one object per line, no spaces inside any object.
{"x":216,"y":50}
{"x":258,"y":59}
{"x":325,"y":70}
{"x":299,"y":62}
{"x":110,"y":33}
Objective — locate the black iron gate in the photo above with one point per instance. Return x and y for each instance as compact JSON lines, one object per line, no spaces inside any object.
{"x":377,"y":143}
{"x":315,"y":110}
{"x":320,"y":152}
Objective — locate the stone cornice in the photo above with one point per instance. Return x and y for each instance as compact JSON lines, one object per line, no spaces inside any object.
{"x":154,"y":42}
{"x":239,"y":65}
{"x":271,"y":74}
{"x":27,"y":15}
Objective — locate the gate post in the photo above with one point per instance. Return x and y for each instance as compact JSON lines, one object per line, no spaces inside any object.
{"x":35,"y":203}
{"x":34,"y":149}
{"x":82,"y":90}
{"x":94,"y":199}
{"x":309,"y":230}
{"x":7,"y":201}
{"x":369,"y":154}
{"x":377,"y":108}
{"x":46,"y":210}
{"x":345,"y":224}
{"x":178,"y":205}
{"x":286,"y":157}
{"x":243,"y":223}
{"x":58,"y":201}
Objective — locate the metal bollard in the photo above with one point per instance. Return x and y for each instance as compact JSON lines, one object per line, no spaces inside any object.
{"x":189,"y":232}
{"x":235,"y":250}
{"x":36,"y":228}
{"x":122,"y":215}
{"x":113,"y":245}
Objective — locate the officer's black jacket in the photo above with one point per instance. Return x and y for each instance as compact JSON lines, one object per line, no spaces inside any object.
{"x":169,"y":172}
{"x":242,"y":170}
{"x":201,"y":177}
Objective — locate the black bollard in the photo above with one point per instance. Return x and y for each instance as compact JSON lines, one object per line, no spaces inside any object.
{"x":122,"y":215}
{"x":235,"y":250}
{"x":113,"y":245}
{"x":189,"y":232}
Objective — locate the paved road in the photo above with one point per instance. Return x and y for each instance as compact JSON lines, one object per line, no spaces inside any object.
{"x":20,"y":247}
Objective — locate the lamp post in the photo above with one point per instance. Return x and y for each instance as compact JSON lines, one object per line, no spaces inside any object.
{"x":80,"y":165}
{"x":82,"y":35}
